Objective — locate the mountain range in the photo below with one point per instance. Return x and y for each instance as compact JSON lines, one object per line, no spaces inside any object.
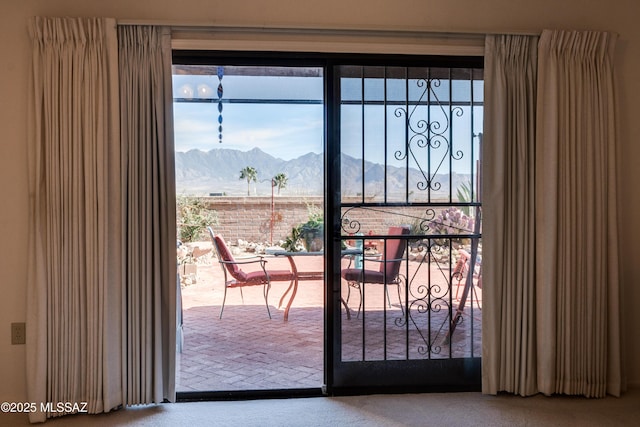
{"x":217,"y":171}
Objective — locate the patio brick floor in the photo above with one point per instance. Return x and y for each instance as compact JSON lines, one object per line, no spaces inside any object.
{"x":245,"y":350}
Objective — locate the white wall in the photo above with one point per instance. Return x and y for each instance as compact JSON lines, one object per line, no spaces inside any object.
{"x":620,"y":16}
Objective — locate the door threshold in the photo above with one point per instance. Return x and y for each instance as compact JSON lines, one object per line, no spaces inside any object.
{"x":203,"y":396}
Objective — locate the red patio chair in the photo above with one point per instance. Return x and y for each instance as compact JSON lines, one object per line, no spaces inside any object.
{"x":235,"y":277}
{"x":389,"y":271}
{"x":460,"y":272}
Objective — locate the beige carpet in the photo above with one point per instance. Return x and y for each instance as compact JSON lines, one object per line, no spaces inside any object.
{"x":454,"y":409}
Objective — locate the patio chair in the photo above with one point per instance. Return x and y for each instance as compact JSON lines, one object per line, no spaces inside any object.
{"x":235,"y":277}
{"x":460,"y":272}
{"x":387,"y":274}
{"x":460,"y":269}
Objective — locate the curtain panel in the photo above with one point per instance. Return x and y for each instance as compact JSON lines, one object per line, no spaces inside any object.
{"x":102,"y":265}
{"x":74,"y":281}
{"x":552,"y":322}
{"x":148,"y":198}
{"x":509,"y":339}
{"x":577,"y":285}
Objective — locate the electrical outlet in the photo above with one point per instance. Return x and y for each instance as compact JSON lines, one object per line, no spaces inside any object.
{"x":18,"y":333}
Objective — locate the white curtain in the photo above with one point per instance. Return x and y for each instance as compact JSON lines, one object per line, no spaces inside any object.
{"x":550,"y":228}
{"x":74,"y":300}
{"x":578,"y":307}
{"x":508,"y":338}
{"x":102,"y":277}
{"x":148,"y":197}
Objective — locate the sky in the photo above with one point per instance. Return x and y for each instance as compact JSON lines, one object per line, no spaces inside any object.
{"x":288,"y":131}
{"x":285,"y":131}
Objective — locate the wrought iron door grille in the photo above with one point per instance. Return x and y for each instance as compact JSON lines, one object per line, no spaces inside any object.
{"x":410,"y":141}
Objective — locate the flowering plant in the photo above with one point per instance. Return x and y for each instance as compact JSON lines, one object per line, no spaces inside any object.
{"x":450,"y":222}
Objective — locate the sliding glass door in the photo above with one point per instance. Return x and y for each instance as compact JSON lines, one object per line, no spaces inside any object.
{"x":249,"y":165}
{"x":385,"y":153}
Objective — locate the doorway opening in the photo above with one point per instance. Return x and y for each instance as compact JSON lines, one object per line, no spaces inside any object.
{"x":381,"y":156}
{"x":250,"y":165}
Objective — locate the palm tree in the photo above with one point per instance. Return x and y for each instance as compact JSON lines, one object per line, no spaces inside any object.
{"x":250,"y":174}
{"x":280,"y":181}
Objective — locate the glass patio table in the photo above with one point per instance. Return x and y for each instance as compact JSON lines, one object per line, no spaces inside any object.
{"x":306,"y":275}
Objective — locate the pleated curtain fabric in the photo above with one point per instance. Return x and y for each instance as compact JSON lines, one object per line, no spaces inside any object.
{"x":508,"y":191}
{"x":148,"y":198}
{"x":551,"y":322}
{"x":74,"y":300}
{"x":578,"y":306}
{"x":101,"y":289}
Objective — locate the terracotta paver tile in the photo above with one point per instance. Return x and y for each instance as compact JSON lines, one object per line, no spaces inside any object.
{"x":246,"y":350}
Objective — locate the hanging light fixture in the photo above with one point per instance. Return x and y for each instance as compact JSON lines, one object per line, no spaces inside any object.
{"x":187,"y":91}
{"x":204,"y":91}
{"x":220,"y":93}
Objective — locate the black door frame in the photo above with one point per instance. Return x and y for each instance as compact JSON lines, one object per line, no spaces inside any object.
{"x":338,"y":379}
{"x":348,"y":378}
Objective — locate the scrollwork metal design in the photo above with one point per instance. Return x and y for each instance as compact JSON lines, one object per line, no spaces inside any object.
{"x":429,"y":303}
{"x":352,"y":225}
{"x":428,"y":146}
{"x":429,"y":134}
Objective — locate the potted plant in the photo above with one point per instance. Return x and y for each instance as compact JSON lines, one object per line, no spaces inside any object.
{"x":309,"y":233}
{"x":292,"y":242}
{"x":312,"y":236}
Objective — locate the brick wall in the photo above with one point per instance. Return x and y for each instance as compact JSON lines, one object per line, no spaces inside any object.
{"x":248,"y":218}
